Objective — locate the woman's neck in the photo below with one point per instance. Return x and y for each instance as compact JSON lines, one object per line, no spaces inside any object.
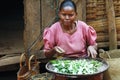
{"x":69,"y":28}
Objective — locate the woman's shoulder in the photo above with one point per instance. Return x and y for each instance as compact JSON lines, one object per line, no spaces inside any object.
{"x":53,"y":27}
{"x":82,"y":24}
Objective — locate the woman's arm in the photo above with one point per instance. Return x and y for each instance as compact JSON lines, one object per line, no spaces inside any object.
{"x":56,"y":50}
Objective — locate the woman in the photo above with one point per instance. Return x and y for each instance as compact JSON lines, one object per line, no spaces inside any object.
{"x":75,"y":37}
{"x":68,"y":36}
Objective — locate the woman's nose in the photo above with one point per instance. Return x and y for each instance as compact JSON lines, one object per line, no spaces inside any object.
{"x":67,"y":17}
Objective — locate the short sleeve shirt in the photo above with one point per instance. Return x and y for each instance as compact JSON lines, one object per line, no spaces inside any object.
{"x":73,"y":44}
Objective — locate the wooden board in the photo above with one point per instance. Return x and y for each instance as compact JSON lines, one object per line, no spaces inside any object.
{"x":32,"y":22}
{"x":9,"y":60}
{"x":111,"y":24}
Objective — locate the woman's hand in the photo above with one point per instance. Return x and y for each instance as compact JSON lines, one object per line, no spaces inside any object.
{"x":91,"y":50}
{"x":56,"y":51}
{"x":59,"y":51}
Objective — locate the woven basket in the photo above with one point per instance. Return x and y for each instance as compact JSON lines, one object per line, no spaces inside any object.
{"x":28,"y":69}
{"x":113,"y":59}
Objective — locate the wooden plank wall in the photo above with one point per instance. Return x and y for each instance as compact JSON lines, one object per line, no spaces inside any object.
{"x":104,"y":16}
{"x":111,"y":24}
{"x":32,"y":22}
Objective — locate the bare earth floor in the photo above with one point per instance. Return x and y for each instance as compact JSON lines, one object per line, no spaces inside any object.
{"x":11,"y":42}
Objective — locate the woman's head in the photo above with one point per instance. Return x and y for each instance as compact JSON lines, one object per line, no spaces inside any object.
{"x":67,"y":12}
{"x":68,"y":3}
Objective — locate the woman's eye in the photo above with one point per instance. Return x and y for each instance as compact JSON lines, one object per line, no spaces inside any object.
{"x":70,"y":15}
{"x":64,"y":14}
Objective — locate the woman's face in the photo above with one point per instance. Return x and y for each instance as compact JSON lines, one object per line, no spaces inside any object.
{"x":67,"y":15}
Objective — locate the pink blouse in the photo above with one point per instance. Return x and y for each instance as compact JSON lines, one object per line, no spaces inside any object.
{"x":75,"y":44}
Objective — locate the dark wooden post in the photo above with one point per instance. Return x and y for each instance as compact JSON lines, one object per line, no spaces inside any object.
{"x":32,"y":21}
{"x":48,"y":12}
{"x":81,"y":9}
{"x":111,"y":24}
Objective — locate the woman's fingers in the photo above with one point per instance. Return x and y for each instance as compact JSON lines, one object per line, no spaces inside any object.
{"x":88,"y":52}
{"x":59,"y":49}
{"x":92,"y":52}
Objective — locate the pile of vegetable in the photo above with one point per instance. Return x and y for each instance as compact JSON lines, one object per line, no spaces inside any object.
{"x":81,"y":66}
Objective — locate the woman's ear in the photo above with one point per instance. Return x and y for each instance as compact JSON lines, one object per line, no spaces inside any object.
{"x":76,"y":13}
{"x":59,"y":13}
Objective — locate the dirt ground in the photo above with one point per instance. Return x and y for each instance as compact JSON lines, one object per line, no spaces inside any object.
{"x":11,"y":41}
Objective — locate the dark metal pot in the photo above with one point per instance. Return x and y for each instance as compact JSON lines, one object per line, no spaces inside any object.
{"x":103,"y":68}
